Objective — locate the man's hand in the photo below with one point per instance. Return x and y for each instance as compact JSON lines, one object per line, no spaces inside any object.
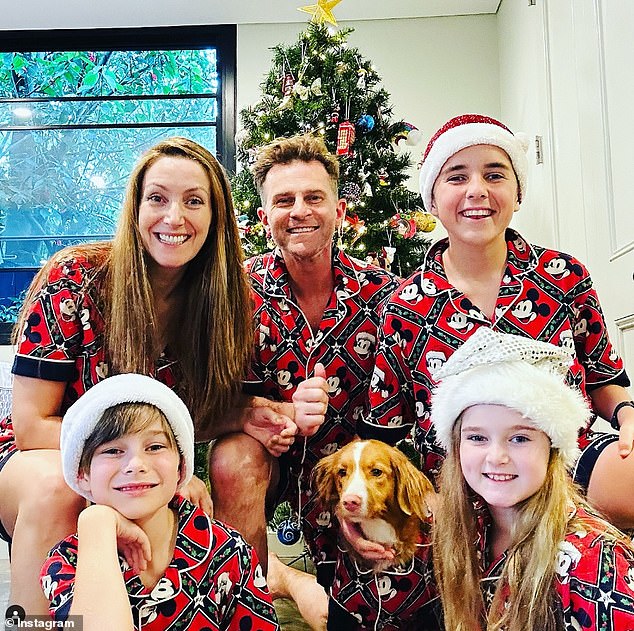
{"x":196,"y":492}
{"x":369,"y":550}
{"x":273,"y":428}
{"x":311,"y":402}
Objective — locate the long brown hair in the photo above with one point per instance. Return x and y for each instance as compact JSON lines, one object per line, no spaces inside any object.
{"x":211,"y":335}
{"x":525,"y":597}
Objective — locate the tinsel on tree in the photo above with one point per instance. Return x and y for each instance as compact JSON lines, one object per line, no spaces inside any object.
{"x":322,"y":85}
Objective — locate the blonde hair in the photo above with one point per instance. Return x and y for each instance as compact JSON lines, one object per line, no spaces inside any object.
{"x":525,"y":596}
{"x":304,"y":148}
{"x":211,"y":335}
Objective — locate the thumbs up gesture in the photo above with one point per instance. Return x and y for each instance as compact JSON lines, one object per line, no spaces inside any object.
{"x":311,"y":402}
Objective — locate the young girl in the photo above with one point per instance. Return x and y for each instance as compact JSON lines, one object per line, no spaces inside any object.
{"x":127,"y":445}
{"x":515,"y":547}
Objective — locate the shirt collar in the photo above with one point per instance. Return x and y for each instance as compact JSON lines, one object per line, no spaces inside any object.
{"x":346,"y":279}
{"x":520,"y":259}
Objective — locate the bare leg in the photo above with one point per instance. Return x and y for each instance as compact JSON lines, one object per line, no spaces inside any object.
{"x":242,"y":473}
{"x":38,"y":510}
{"x":611,"y":484}
{"x":309,"y":596}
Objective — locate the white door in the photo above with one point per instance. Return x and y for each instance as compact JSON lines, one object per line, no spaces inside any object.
{"x":591,"y":74}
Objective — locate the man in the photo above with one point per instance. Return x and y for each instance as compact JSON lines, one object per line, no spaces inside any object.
{"x":316,"y":317}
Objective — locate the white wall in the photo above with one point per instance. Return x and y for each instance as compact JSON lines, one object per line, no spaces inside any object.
{"x":523,"y":104}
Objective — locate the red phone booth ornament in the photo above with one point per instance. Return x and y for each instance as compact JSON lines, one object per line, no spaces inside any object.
{"x":287,"y":84}
{"x":345,"y":138}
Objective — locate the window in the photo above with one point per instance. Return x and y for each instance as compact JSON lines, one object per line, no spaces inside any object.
{"x":77,"y":108}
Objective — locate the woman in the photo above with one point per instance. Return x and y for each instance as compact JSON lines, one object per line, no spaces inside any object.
{"x":473,"y":178}
{"x":515,"y":547}
{"x":168,"y":298}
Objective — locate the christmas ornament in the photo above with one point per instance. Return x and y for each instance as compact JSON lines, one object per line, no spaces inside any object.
{"x":351,"y":191}
{"x":365,"y":123}
{"x":384,"y":178}
{"x":425,"y":222}
{"x":403,"y":226}
{"x":411,"y":135}
{"x":287,"y":84}
{"x":345,"y":138}
{"x":301,"y":91}
{"x":321,"y":12}
{"x":289,"y":532}
{"x":373,"y":259}
{"x":315,"y":87}
{"x":334,"y":116}
{"x":361,"y":80}
{"x":386,"y":258}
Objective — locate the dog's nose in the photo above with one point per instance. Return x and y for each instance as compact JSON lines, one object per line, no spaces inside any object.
{"x":351,"y":502}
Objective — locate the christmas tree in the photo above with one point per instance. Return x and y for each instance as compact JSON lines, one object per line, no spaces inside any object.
{"x":322,"y":85}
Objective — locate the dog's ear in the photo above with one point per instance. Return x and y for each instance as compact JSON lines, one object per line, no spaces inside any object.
{"x":324,"y":479}
{"x":414,"y":491}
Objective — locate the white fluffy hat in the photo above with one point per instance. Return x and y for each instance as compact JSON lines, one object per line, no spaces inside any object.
{"x":82,"y":417}
{"x":465,"y":131}
{"x":519,"y":373}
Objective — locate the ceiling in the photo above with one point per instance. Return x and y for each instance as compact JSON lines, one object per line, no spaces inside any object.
{"x":44,"y":14}
{"x":258,"y":11}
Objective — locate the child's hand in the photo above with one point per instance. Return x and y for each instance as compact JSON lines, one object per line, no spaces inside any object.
{"x":133,"y":543}
{"x":196,"y":492}
{"x":311,"y":402}
{"x":97,"y":523}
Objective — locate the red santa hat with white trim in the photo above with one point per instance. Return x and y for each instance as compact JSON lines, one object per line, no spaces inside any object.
{"x":465,"y":131}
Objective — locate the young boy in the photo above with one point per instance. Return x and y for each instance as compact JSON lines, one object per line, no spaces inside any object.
{"x":143,"y":557}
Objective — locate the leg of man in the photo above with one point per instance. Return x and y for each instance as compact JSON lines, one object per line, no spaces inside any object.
{"x":243,"y":477}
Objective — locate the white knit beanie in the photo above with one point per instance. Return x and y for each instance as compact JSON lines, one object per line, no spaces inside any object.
{"x":465,"y":131}
{"x":82,"y":417}
{"x":519,"y":373}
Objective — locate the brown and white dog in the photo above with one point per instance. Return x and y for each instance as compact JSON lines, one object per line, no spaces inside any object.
{"x":375,"y":486}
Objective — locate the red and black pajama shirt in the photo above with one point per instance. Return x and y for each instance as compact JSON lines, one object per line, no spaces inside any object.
{"x":544,"y":294}
{"x":213,"y":582}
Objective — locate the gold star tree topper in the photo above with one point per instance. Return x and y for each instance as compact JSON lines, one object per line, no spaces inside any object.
{"x":322,"y":11}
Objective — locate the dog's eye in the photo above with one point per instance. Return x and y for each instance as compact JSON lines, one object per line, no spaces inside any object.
{"x":376,"y":472}
{"x":341,"y":472}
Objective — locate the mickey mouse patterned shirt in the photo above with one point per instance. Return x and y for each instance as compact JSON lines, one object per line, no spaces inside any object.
{"x":594,"y":580}
{"x":214,"y":581}
{"x":544,"y":294}
{"x":287,"y":350}
{"x":63,"y":338}
{"x":397,"y":598}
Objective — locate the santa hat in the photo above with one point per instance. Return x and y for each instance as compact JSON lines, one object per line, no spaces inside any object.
{"x":520,"y":373}
{"x":465,"y":131}
{"x":82,"y":417}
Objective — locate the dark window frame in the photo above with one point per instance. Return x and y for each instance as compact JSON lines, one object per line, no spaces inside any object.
{"x":221,"y":37}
